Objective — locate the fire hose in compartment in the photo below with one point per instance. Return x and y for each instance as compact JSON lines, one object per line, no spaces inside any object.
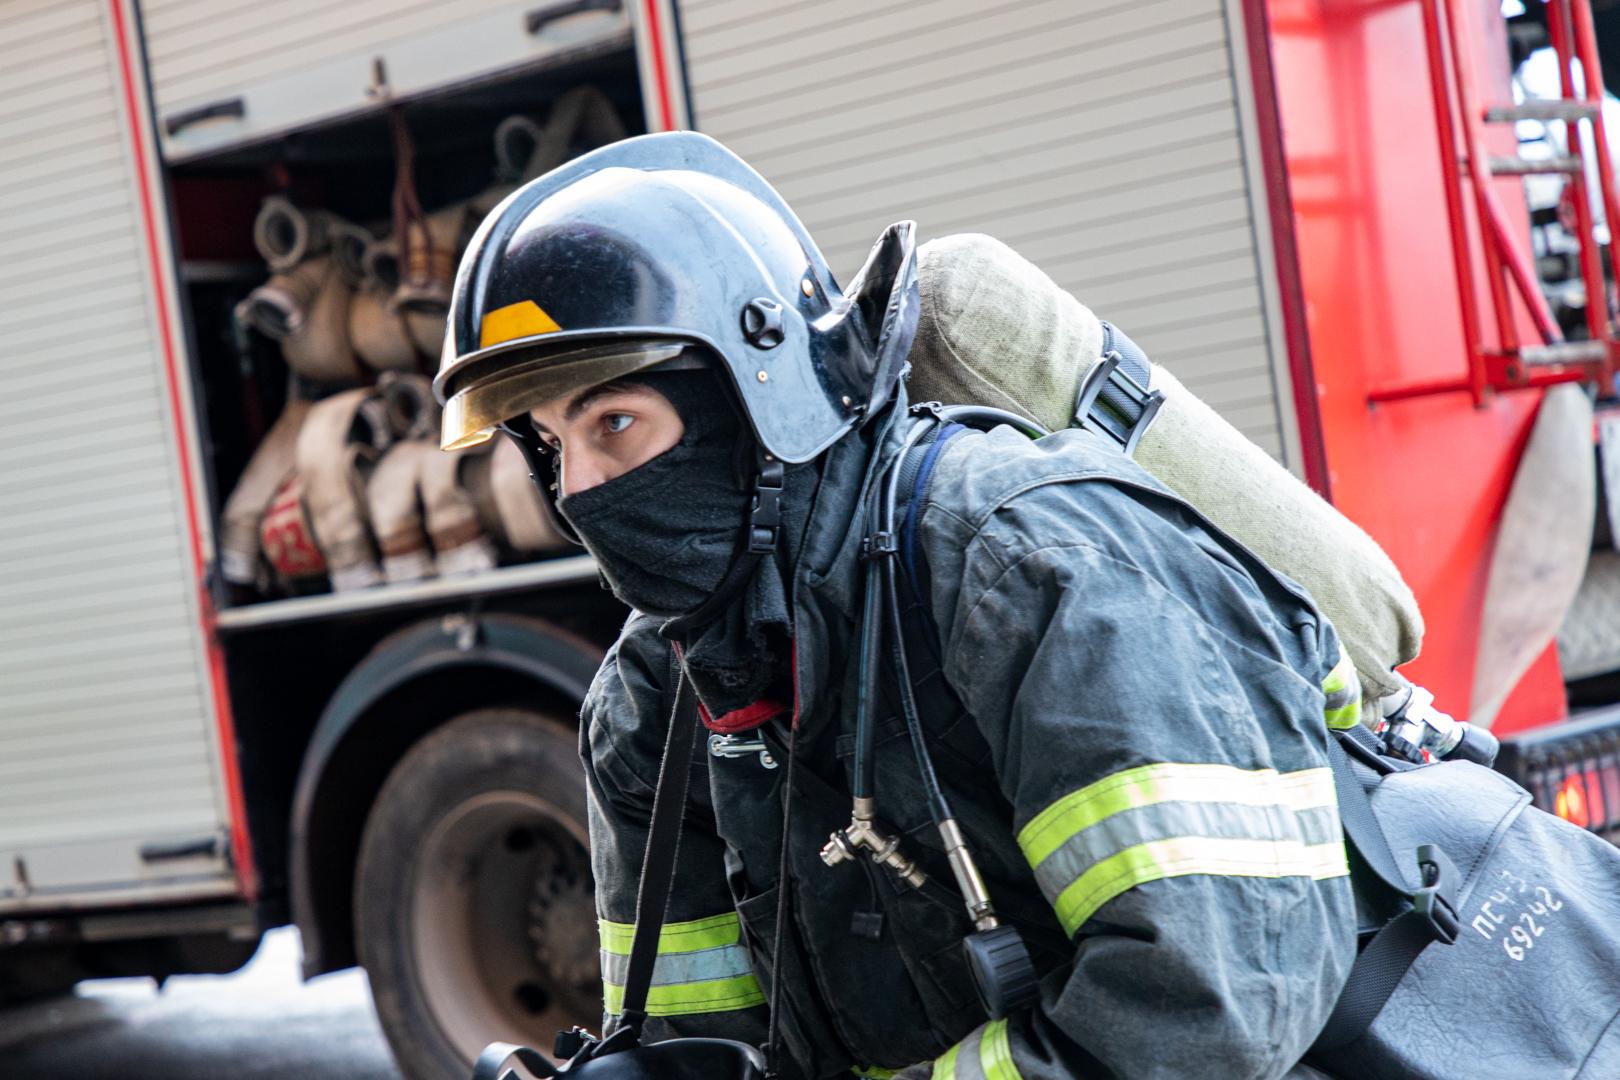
{"x":348,"y":488}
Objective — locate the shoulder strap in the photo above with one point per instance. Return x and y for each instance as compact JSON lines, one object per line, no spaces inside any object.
{"x":916,"y":471}
{"x":1394,"y":949}
{"x":658,"y":863}
{"x":1360,"y":827}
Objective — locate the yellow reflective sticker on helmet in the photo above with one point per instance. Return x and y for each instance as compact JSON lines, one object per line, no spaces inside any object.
{"x":523,"y":319}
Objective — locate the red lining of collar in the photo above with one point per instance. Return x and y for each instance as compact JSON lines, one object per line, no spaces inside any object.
{"x":749,"y":716}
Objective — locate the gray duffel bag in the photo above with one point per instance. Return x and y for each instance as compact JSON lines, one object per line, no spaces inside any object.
{"x":1528,"y":986}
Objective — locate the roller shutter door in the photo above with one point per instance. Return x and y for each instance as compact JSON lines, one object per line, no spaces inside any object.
{"x":1101,"y":140}
{"x":269,"y":66}
{"x":107,"y":737}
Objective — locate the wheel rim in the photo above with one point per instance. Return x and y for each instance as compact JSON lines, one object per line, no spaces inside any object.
{"x":503,"y":924}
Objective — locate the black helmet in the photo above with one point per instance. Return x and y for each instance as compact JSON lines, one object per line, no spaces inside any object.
{"x":626,"y":257}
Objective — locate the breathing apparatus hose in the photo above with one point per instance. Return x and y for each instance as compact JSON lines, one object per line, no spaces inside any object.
{"x":1002,"y":970}
{"x":879,"y":585}
{"x":884,"y":550}
{"x":871,"y":652}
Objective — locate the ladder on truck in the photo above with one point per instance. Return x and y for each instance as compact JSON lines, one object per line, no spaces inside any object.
{"x":1510,"y":364}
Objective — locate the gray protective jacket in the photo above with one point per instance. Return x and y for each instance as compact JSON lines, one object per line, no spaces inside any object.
{"x":1130,"y":729}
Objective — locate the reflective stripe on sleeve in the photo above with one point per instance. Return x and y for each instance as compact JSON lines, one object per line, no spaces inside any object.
{"x":983,"y":1055}
{"x":1169,"y":820}
{"x":702,"y":967}
{"x":1343,"y":690}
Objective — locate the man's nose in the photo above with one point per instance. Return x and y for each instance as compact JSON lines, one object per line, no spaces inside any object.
{"x":581,"y":472}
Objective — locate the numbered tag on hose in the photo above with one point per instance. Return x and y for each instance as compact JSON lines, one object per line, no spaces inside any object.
{"x":1002,"y":971}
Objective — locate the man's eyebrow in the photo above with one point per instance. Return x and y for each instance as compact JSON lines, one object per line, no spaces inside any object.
{"x":584,"y":399}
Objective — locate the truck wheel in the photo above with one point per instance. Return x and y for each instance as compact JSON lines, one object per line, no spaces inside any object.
{"x":474,"y":910}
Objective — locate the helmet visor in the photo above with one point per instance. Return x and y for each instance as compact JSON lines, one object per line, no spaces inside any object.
{"x":471,"y":413}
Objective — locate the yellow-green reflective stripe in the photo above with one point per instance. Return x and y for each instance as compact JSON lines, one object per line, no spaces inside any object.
{"x":1343,"y":719}
{"x":1146,"y":785}
{"x":1343,"y":690}
{"x":704,"y":965}
{"x":679,"y":999}
{"x":873,"y":1072}
{"x":708,"y":933}
{"x":995,"y":1056}
{"x":1340,"y":676}
{"x":945,"y":1064}
{"x":1194,"y":855}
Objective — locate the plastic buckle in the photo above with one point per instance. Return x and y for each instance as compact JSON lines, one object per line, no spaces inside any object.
{"x":1434,"y":901}
{"x":1123,"y":414}
{"x":879,"y":545}
{"x":765,"y":516}
{"x":570,"y":1043}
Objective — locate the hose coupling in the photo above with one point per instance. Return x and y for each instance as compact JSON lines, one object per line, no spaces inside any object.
{"x":846,"y":843}
{"x":980,"y":909}
{"x":1415,"y":730}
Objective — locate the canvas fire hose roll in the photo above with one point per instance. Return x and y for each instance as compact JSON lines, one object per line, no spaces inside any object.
{"x":995,"y":330}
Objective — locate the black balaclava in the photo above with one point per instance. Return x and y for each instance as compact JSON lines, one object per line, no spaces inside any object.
{"x":665,"y":532}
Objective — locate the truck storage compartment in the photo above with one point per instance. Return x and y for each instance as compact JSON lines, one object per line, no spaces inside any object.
{"x":318,"y":267}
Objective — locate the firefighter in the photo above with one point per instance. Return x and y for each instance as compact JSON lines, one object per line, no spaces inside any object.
{"x":1125,"y":709}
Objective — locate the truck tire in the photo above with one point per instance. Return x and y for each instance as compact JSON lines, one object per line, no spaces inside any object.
{"x":475,"y":916}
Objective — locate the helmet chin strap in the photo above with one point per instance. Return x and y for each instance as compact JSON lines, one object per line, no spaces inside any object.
{"x":757,"y":539}
{"x":760,"y":530}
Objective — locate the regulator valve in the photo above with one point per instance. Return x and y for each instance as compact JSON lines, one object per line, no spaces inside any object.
{"x":846,"y":845}
{"x":1002,"y":972}
{"x":1414,"y":730}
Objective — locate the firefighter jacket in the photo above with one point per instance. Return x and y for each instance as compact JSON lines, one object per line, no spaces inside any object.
{"x":1128,"y":719}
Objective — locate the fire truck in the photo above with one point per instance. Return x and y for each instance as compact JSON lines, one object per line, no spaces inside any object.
{"x":1357,"y":230}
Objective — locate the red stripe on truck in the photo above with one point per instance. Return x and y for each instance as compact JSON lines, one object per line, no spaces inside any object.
{"x":136,"y":111}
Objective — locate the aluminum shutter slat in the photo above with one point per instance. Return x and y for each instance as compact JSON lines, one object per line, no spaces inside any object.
{"x":95,"y":581}
{"x":294,"y":63}
{"x":916,"y":67}
{"x":1099,"y":139}
{"x":223,"y":45}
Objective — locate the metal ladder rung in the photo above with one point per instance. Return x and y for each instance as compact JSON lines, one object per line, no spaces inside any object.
{"x":1566,"y":352}
{"x":1541,"y":110}
{"x":1517,"y":166}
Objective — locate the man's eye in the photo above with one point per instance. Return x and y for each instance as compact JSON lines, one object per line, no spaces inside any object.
{"x":617,"y":422}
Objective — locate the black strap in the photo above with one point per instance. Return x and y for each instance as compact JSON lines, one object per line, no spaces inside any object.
{"x":736,"y":578}
{"x":1373,"y":978}
{"x":658,"y":863}
{"x":1395,"y":948}
{"x":784,"y":885}
{"x":1360,"y":827}
{"x":756,"y":541}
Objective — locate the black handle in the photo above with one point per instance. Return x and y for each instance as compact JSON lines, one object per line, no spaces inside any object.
{"x":534,"y":21}
{"x":181,"y":120}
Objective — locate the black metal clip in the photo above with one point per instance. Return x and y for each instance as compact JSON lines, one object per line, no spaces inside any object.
{"x":1112,"y":403}
{"x":1436,"y":901}
{"x":765,"y":516}
{"x":570,"y":1043}
{"x":878,"y":545}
